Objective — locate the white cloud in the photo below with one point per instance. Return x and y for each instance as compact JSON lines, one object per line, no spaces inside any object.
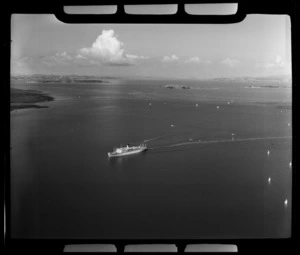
{"x":107,"y":49}
{"x":230,"y":62}
{"x":84,"y":61}
{"x":79,"y":56}
{"x":64,"y":55}
{"x":61,"y":58}
{"x":278,"y":63}
{"x":170,"y":58}
{"x":136,"y":57}
{"x":197,"y":60}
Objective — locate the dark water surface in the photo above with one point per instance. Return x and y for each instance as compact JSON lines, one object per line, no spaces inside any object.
{"x":65,"y":186}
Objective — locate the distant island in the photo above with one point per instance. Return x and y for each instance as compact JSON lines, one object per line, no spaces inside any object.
{"x":176,"y":86}
{"x":24,"y":99}
{"x":41,"y":78}
{"x":255,"y":79}
{"x":266,"y":86}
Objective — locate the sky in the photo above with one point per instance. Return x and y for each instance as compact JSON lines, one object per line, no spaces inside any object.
{"x":260,"y":45}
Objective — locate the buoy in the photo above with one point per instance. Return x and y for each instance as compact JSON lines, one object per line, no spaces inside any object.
{"x":289,"y":124}
{"x":268,"y":153}
{"x":228,"y":102}
{"x":232,"y":133}
{"x":218,"y":107}
{"x":196,"y":105}
{"x":290,"y":164}
{"x":286,"y":202}
{"x":269,"y":180}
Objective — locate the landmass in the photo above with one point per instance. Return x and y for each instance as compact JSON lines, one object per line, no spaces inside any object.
{"x":41,"y":78}
{"x":24,"y":99}
{"x":271,"y":81}
{"x":266,"y":86}
{"x":176,"y":86}
{"x":278,"y":105}
{"x":269,"y":78}
{"x":284,"y":107}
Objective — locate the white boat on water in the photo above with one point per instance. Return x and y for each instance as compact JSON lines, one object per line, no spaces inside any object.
{"x":123,"y":151}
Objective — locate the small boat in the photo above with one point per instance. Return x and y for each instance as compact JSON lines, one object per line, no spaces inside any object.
{"x":123,"y":151}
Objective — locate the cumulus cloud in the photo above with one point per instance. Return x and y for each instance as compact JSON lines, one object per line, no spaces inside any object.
{"x":107,"y":49}
{"x":80,"y":57}
{"x":278,"y":63}
{"x":170,"y":58}
{"x":84,"y":61}
{"x":230,"y":62}
{"x":62,"y":58}
{"x":197,"y":60}
{"x":136,"y":57}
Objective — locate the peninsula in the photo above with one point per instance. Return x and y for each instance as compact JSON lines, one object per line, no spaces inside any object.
{"x":23,"y":99}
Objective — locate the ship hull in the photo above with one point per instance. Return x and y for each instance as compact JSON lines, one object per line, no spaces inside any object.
{"x":111,"y":154}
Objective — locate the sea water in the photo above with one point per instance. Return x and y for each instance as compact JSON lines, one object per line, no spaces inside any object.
{"x":212,"y":184}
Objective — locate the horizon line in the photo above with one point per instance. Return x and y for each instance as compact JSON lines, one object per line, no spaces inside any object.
{"x":155,"y":77}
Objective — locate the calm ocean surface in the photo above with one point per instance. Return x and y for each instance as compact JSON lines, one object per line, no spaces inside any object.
{"x":63,"y":185}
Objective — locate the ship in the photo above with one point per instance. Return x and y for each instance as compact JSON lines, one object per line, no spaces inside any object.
{"x":123,"y":151}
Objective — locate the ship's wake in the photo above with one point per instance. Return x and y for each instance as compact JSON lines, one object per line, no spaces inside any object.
{"x":154,"y":138}
{"x":221,"y":141}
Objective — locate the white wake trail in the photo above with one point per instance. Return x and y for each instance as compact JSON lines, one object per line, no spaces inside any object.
{"x":222,"y":141}
{"x":151,"y":139}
